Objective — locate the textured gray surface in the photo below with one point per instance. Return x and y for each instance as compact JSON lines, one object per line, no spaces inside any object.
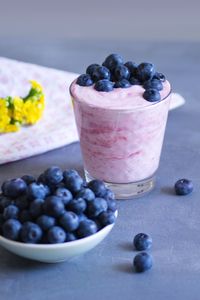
{"x":173,"y":222}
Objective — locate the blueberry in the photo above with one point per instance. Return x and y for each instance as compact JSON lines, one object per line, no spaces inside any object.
{"x":54,"y":206}
{"x":101,"y":72}
{"x":4,"y":202}
{"x":142,"y":241}
{"x":153,"y":84}
{"x":86,"y":228}
{"x":152,"y":95}
{"x":25,"y":216}
{"x":30,"y":233}
{"x":65,"y":194}
{"x":121,"y":72}
{"x":183,"y":187}
{"x":134,"y":81}
{"x":36,"y":208}
{"x":70,"y":237}
{"x":86,"y":194}
{"x":73,"y":182}
{"x":107,"y":218}
{"x":1,"y":223}
{"x":22,"y":202}
{"x":91,"y":68}
{"x":70,"y":173}
{"x":159,"y":76}
{"x":98,"y":187}
{"x":82,"y":217}
{"x":112,"y":204}
{"x":109,"y":195}
{"x":36,"y":190}
{"x":103,"y":85}
{"x":84,"y":80}
{"x":14,"y":188}
{"x":142,"y":262}
{"x":11,"y":212}
{"x":69,"y":221}
{"x":53,"y":175}
{"x":11,"y":229}
{"x":112,"y":61}
{"x":123,"y":83}
{"x":41,"y":179}
{"x":46,"y":222}
{"x":97,"y":206}
{"x":77,"y":205}
{"x":132,"y":67}
{"x":56,"y":235}
{"x":28,"y":179}
{"x":145,"y":71}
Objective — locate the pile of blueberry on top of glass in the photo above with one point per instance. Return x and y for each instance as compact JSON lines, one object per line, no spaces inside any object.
{"x":56,"y":207}
{"x":115,"y":73}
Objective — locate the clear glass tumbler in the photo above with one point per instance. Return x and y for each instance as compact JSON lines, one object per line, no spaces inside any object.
{"x":122,"y":147}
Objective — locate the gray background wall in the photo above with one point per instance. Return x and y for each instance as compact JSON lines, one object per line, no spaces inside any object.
{"x":144,"y":20}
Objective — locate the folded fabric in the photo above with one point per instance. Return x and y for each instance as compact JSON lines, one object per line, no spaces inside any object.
{"x":57,"y":126}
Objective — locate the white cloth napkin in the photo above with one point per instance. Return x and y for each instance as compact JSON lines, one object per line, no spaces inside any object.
{"x":57,"y":126}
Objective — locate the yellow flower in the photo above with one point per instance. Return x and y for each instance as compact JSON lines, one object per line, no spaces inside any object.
{"x":17,"y":113}
{"x":33,"y":111}
{"x":12,"y":128}
{"x":4,"y":116}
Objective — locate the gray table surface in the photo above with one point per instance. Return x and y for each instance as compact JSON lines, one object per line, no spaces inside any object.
{"x":173,"y":222}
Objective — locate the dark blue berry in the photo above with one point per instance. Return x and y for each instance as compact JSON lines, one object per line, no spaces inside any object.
{"x":4,"y":202}
{"x":134,"y":81}
{"x":41,"y":179}
{"x":14,"y":188}
{"x":91,"y":68}
{"x":97,"y":206}
{"x":153,"y":84}
{"x":142,"y":241}
{"x":77,"y":205}
{"x":159,"y":76}
{"x":69,"y":221}
{"x":112,"y":61}
{"x":65,"y":194}
{"x":123,"y":83}
{"x":98,"y":187}
{"x":46,"y":222}
{"x":53,"y":175}
{"x":142,"y":262}
{"x":84,"y":80}
{"x":28,"y":179}
{"x":22,"y":202}
{"x":121,"y":72}
{"x":25,"y":216}
{"x":183,"y":187}
{"x":152,"y":95}
{"x":86,"y":228}
{"x":36,"y":190}
{"x":70,"y":237}
{"x":30,"y":233}
{"x":11,"y":212}
{"x":36,"y":207}
{"x":107,"y":218}
{"x":103,"y":85}
{"x":87,"y":194}
{"x":82,"y":217}
{"x":70,"y":173}
{"x":11,"y":229}
{"x":73,"y":182}
{"x":112,"y":204}
{"x":54,"y":206}
{"x":145,"y":71}
{"x":109,"y":195}
{"x":101,"y":72}
{"x":132,"y":67}
{"x":56,"y":235}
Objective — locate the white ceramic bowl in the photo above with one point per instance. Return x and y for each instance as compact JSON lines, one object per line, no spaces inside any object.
{"x":55,"y":252}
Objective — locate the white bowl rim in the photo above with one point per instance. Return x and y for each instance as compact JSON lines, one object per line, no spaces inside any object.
{"x":59,"y":245}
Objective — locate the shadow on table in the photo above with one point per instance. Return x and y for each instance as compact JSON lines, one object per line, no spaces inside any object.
{"x":168,"y":190}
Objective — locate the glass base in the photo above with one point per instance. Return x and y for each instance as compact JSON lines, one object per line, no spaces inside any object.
{"x":128,"y":190}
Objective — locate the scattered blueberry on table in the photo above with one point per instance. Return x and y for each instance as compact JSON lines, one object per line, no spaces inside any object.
{"x":183,"y":187}
{"x":115,"y":73}
{"x":142,"y":262}
{"x":56,"y":207}
{"x":142,"y":241}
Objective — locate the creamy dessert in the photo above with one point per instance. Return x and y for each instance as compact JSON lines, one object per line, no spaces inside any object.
{"x":121,"y":121}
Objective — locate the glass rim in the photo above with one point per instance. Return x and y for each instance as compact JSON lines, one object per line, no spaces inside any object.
{"x":123,"y":110}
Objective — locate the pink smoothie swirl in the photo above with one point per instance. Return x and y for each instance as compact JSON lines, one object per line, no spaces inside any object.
{"x":121,"y":134}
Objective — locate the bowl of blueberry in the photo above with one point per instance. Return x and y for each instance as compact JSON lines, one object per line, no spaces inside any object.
{"x":56,"y":216}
